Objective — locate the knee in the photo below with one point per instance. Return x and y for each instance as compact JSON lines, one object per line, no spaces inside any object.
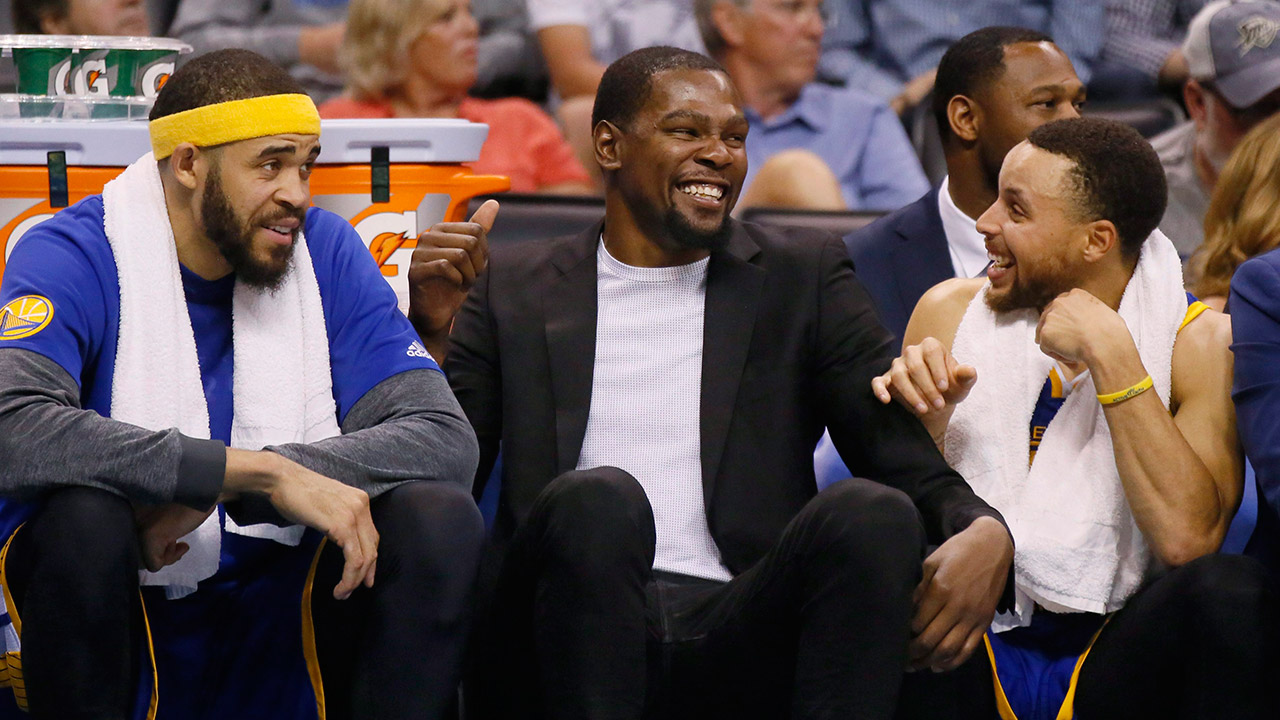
{"x":857,"y":518}
{"x":595,"y":513}
{"x":435,"y":523}
{"x":86,"y":535}
{"x":1226,"y":588}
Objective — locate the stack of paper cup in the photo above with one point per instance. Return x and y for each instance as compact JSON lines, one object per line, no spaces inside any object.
{"x":87,"y":76}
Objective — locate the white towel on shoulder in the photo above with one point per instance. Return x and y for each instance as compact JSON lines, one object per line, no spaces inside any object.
{"x":1078,"y":548}
{"x":282,"y":383}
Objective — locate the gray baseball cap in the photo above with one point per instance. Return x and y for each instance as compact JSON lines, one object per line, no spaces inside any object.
{"x":1235,"y":45}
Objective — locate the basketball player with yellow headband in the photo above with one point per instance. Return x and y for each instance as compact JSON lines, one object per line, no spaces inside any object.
{"x":1087,"y":397}
{"x":202,"y":376}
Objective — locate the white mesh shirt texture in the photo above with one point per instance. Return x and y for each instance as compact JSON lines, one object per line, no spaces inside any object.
{"x":645,"y":401}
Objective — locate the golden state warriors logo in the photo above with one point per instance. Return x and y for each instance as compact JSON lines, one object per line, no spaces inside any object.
{"x":24,"y":317}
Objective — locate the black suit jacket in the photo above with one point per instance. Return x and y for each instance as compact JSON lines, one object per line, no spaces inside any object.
{"x":900,"y":256}
{"x":790,"y":346}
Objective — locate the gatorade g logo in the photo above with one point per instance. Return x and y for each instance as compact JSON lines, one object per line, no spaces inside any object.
{"x":60,"y":83}
{"x":154,"y":78}
{"x":384,"y":246}
{"x":24,"y":317}
{"x":391,"y":237}
{"x":91,"y":78}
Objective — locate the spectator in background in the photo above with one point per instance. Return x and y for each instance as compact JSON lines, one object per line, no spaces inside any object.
{"x":1234,"y":84}
{"x":579,"y":38}
{"x":81,"y":17}
{"x":1244,"y":213}
{"x":1243,"y":221}
{"x":853,"y":142}
{"x":303,"y":36}
{"x":417,"y":58}
{"x":995,"y":86}
{"x":892,"y":47}
{"x":1143,"y":50}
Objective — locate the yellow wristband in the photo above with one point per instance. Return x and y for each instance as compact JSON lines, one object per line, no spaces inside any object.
{"x":1130,"y":392}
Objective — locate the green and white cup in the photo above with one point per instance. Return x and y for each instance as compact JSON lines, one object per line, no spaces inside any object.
{"x":140,"y":73}
{"x":44,"y":70}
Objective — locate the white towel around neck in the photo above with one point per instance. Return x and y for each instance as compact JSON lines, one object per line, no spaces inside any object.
{"x":282,"y":383}
{"x":1078,"y":548}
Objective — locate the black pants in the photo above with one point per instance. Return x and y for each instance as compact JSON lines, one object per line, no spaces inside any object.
{"x":390,"y":651}
{"x":581,"y":628}
{"x":1197,"y":642}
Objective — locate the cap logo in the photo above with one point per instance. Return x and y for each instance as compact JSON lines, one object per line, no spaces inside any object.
{"x":1257,"y":32}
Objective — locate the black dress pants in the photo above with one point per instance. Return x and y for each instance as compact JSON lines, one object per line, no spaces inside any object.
{"x":390,"y":651}
{"x":1197,"y":642}
{"x":582,"y":627}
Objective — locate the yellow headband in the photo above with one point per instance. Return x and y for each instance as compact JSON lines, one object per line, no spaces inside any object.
{"x":235,"y":120}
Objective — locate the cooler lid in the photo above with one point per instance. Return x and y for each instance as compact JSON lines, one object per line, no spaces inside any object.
{"x":409,"y":140}
{"x":119,"y":143}
{"x":92,"y":42}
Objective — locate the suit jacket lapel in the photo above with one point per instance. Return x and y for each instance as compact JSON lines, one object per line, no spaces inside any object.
{"x":921,"y":258}
{"x":570,"y":311}
{"x":733,"y":294}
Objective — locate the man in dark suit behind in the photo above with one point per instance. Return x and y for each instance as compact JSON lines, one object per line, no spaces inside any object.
{"x":656,"y":385}
{"x":994,"y":86}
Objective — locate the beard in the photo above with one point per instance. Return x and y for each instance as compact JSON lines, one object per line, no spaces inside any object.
{"x":692,"y":238}
{"x":1032,"y":291}
{"x":234,"y":239}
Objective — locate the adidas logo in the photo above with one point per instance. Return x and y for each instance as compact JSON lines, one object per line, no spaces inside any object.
{"x":418,"y":350}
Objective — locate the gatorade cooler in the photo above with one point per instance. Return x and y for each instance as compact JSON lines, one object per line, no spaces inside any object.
{"x":391,"y":179}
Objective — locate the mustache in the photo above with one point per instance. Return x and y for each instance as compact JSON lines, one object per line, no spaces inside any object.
{"x":299,"y":214}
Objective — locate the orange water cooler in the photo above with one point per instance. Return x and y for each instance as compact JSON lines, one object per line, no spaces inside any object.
{"x":391,"y":179}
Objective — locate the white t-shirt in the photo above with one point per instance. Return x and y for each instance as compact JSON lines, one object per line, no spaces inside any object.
{"x":646,"y":394}
{"x":619,"y":26}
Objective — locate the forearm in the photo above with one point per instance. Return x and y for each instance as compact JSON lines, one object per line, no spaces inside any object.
{"x":408,"y":427}
{"x":47,"y":441}
{"x":1170,"y":490}
{"x":567,"y":50}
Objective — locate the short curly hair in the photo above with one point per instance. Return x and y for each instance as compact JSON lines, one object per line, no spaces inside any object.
{"x":1116,"y":175}
{"x":627,"y":82}
{"x":221,"y":76}
{"x":972,"y":63}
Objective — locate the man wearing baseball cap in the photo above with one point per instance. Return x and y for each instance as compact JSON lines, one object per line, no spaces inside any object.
{"x":1233,"y":58}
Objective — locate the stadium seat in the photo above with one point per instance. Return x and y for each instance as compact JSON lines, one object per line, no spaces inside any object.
{"x":1149,"y":117}
{"x":1246,"y":519}
{"x":922,"y":128}
{"x":534,"y":217}
{"x":839,"y":222}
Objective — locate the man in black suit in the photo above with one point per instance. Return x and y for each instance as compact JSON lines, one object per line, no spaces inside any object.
{"x":657,"y":385}
{"x":994,"y":86}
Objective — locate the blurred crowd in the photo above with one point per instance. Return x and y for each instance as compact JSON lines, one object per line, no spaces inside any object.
{"x":841,"y":95}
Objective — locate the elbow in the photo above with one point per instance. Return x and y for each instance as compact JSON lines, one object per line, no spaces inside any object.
{"x":1187,"y":546}
{"x":463,"y":455}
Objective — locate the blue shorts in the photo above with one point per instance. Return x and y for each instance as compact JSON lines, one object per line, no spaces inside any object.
{"x":242,"y":646}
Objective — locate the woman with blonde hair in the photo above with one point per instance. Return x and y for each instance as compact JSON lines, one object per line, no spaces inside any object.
{"x":417,"y":58}
{"x":1243,"y":220}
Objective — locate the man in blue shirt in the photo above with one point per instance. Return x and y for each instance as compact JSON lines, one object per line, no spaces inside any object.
{"x":771,"y":51}
{"x":189,"y":361}
{"x":891,"y":47}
